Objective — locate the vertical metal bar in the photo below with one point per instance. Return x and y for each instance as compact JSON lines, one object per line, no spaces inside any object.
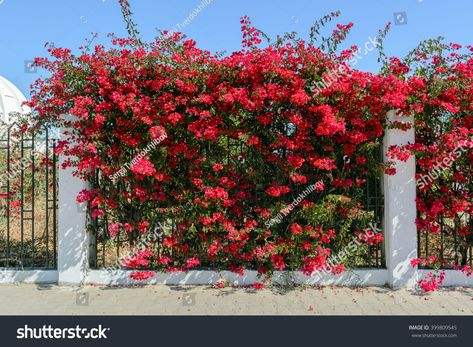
{"x":419,"y":242}
{"x":455,"y":237}
{"x":8,"y":206}
{"x":376,"y":207}
{"x":382,"y":209}
{"x":104,"y":260}
{"x":419,"y":236}
{"x":228,"y":150}
{"x":32,"y":198}
{"x":471,"y":247}
{"x":47,"y":195}
{"x":368,"y":178}
{"x":95,"y":259}
{"x":99,"y":229}
{"x":55,"y":187}
{"x":22,"y":202}
{"x":442,"y":238}
{"x":426,"y":244}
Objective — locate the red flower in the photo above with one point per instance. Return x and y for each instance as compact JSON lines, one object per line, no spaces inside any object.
{"x":278,"y":262}
{"x":216,"y":193}
{"x":113,"y":229}
{"x":164,"y":260}
{"x":300,"y":98}
{"x":258,"y":285}
{"x":142,"y":275}
{"x":220,"y":284}
{"x":324,"y":164}
{"x":143,"y":167}
{"x":192,"y":262}
{"x":174,"y":118}
{"x":157,"y":131}
{"x":296,"y":229}
{"x":296,"y":178}
{"x":253,"y":140}
{"x":277,"y":190}
{"x":217,"y":167}
{"x":432,"y":282}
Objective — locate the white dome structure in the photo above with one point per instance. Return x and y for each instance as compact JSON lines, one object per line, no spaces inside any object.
{"x":11,"y":100}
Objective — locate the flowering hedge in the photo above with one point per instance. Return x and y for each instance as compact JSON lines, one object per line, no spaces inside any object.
{"x":443,"y":105}
{"x":241,"y":138}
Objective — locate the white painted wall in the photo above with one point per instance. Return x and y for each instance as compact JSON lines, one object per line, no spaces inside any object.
{"x":377,"y":277}
{"x":28,"y":276}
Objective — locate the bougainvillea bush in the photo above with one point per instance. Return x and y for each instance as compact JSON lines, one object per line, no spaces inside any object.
{"x":241,"y":137}
{"x":444,"y":128}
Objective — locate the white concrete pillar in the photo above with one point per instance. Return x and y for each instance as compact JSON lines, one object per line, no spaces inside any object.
{"x":73,"y":239}
{"x":400,"y":230}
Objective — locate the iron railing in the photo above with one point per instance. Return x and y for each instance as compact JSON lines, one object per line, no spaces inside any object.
{"x":447,"y":245}
{"x":28,"y":198}
{"x":375,"y":203}
{"x":106,"y":251}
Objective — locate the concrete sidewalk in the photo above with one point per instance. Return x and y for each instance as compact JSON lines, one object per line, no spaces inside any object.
{"x":201,"y":300}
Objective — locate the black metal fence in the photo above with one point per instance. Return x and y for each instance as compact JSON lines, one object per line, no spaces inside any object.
{"x":375,"y":203}
{"x":450,"y":245}
{"x":28,"y":198}
{"x":107,"y":251}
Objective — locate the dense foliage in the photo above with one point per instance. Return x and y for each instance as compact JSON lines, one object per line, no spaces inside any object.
{"x":239,"y":138}
{"x":444,"y":129}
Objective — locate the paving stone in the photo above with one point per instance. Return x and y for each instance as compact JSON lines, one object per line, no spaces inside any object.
{"x":166,"y":300}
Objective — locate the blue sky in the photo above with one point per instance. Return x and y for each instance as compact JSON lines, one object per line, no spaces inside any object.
{"x":27,"y":24}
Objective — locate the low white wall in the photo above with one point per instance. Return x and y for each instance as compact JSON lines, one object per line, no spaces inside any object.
{"x":366,"y":277}
{"x":362,"y":277}
{"x":28,"y":276}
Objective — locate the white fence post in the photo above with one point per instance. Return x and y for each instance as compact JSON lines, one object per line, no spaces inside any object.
{"x":72,"y":236}
{"x":400,"y":209}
